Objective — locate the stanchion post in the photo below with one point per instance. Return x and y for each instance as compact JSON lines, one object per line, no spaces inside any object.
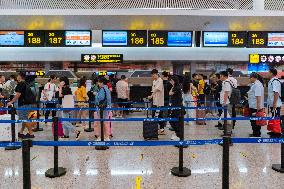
{"x":101,"y":109}
{"x":280,"y":167}
{"x":147,"y":106}
{"x":90,"y":129}
{"x":55,"y":171}
{"x":38,"y":116}
{"x":225,"y":121}
{"x":26,"y":157}
{"x":13,"y":130}
{"x":226,"y":162}
{"x":181,"y":171}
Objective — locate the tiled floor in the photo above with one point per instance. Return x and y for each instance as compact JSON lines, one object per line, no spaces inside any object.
{"x":117,"y":168}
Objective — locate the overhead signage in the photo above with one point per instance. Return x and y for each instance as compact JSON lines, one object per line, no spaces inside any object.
{"x":41,"y":38}
{"x":124,"y":38}
{"x":34,"y":38}
{"x":275,"y":39}
{"x":101,"y":58}
{"x":224,"y":39}
{"x":170,"y":38}
{"x":257,"y":39}
{"x":12,"y":38}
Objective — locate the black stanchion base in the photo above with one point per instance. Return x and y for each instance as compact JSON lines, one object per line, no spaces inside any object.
{"x":37,"y":129}
{"x":101,"y":147}
{"x":89,"y":130}
{"x":50,"y":172}
{"x":278,"y":168}
{"x":184,"y":173}
{"x":12,"y":147}
{"x":182,"y":146}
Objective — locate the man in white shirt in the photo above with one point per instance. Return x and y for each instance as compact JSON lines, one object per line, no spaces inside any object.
{"x":158,"y":98}
{"x":274,"y":101}
{"x":256,"y":102}
{"x":49,"y":94}
{"x":122,"y":90}
{"x":234,"y":84}
{"x":2,"y":82}
{"x":225,"y":95}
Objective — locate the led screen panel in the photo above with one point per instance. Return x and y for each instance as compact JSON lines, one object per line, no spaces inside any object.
{"x":12,"y":38}
{"x":215,"y":39}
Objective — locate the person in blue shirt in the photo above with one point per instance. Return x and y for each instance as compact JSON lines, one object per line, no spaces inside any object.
{"x":274,"y":100}
{"x":103,"y":99}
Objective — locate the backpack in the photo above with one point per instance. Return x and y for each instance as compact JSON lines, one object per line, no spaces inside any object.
{"x":207,"y":89}
{"x":103,"y":103}
{"x":30,"y":94}
{"x":282,"y":89}
{"x":235,"y":97}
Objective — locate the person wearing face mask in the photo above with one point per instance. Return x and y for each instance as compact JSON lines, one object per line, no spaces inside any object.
{"x":176,"y":100}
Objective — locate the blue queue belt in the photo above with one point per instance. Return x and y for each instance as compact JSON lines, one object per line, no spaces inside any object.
{"x":149,"y":143}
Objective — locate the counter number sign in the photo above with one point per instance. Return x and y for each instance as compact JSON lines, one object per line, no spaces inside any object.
{"x":157,"y":38}
{"x":257,"y":39}
{"x":55,"y":38}
{"x":34,"y":38}
{"x":137,"y":38}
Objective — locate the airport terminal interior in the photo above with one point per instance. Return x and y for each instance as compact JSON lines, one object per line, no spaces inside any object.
{"x":141,"y":94}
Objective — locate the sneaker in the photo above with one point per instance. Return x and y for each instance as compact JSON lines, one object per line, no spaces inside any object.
{"x":78,"y":135}
{"x":162,"y":132}
{"x":174,"y":137}
{"x":221,"y":128}
{"x":107,"y":139}
{"x":270,"y":133}
{"x":21,"y":135}
{"x":65,"y":136}
{"x":29,"y":136}
{"x":98,"y":139}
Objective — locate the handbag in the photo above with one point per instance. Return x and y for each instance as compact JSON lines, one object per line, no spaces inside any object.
{"x":260,"y":114}
{"x":274,"y":125}
{"x":246,"y":112}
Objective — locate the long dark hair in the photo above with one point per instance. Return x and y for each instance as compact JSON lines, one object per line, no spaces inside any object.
{"x":186,"y":86}
{"x":82,"y":82}
{"x":176,"y":80}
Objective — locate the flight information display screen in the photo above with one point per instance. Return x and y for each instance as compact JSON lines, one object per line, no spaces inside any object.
{"x":170,"y":38}
{"x":34,"y":38}
{"x":55,"y":38}
{"x":215,"y":39}
{"x":78,"y":38}
{"x":12,"y":38}
{"x":275,"y":39}
{"x":114,"y":38}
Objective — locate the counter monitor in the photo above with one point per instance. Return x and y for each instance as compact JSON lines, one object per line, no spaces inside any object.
{"x":257,"y":39}
{"x":12,"y":38}
{"x":55,"y":38}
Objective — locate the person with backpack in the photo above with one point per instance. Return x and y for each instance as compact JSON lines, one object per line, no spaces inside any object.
{"x":275,"y":93}
{"x":103,"y":100}
{"x":225,"y":98}
{"x":26,"y":99}
{"x":235,"y":93}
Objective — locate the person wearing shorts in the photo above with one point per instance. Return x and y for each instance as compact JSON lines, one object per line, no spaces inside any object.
{"x":122,"y":94}
{"x":22,"y":103}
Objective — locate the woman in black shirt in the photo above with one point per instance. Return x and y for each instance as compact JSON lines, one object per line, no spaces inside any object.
{"x":175,"y":101}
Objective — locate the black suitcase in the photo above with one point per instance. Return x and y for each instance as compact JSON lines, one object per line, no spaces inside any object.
{"x":150,"y":130}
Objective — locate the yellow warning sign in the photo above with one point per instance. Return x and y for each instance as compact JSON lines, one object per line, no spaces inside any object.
{"x":254,"y":58}
{"x":138,"y":182}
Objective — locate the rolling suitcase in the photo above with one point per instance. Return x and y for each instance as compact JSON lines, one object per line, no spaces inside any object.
{"x":200,"y":113}
{"x":150,"y":130}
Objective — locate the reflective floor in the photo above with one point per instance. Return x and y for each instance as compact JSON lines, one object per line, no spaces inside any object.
{"x":118,"y":167}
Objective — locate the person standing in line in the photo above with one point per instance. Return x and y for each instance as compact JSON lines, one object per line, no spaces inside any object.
{"x":274,"y":101}
{"x":201,"y":87}
{"x":11,"y":84}
{"x":103,"y":100}
{"x":82,"y":98}
{"x":217,"y":97}
{"x":188,"y":100}
{"x":49,"y":95}
{"x":25,"y":99}
{"x":176,"y":100}
{"x":158,"y":98}
{"x":167,"y":87}
{"x":2,"y":82}
{"x":256,"y":102}
{"x":234,"y":84}
{"x":63,"y":90}
{"x":122,"y":89}
{"x":224,"y":97}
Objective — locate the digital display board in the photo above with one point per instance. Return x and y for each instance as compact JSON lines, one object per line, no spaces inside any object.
{"x":271,"y":60}
{"x":215,"y":39}
{"x":78,"y":38}
{"x":124,"y":38}
{"x":237,"y":39}
{"x":102,"y":58}
{"x":169,"y":38}
{"x":12,"y":38}
{"x":55,"y":38}
{"x":275,"y":39}
{"x":257,"y":39}
{"x":137,"y":38}
{"x":34,"y":38}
